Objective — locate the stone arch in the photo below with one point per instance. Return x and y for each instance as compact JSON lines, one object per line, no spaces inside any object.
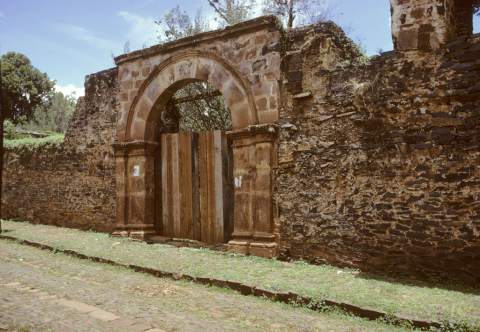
{"x":253,"y":145}
{"x":179,"y":70}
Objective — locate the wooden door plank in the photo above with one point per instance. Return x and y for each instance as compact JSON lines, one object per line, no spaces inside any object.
{"x":158,"y":188}
{"x":180,"y":179}
{"x":202,"y":144}
{"x":227,"y":186}
{"x":211,"y":186}
{"x":218,"y":181}
{"x":176,"y":186}
{"x":196,"y":222}
{"x":187,"y":174}
{"x":231,"y":190}
{"x":164,"y":157}
{"x":169,"y":221}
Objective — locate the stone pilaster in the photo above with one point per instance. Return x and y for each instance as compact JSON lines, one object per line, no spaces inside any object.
{"x":255,"y":156}
{"x":135,"y":162}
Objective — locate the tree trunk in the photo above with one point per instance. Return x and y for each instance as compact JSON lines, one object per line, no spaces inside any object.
{"x":1,"y":145}
{"x":291,"y":17}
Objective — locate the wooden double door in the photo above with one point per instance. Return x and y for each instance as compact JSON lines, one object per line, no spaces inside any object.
{"x":194,"y":186}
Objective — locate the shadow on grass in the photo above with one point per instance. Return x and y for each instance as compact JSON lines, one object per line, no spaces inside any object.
{"x":422,"y":279}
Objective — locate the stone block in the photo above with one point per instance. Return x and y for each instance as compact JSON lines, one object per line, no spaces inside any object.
{"x":234,"y":285}
{"x":260,"y":292}
{"x":266,"y":252}
{"x":103,"y":315}
{"x":268,"y":116}
{"x":127,"y":85}
{"x":407,"y":39}
{"x":246,"y":290}
{"x":79,"y":306}
{"x":219,"y":282}
{"x":146,"y":71}
{"x":190,"y":277}
{"x":259,"y":65}
{"x":138,"y":83}
{"x":204,"y":280}
{"x":123,"y":322}
{"x":262,"y":104}
{"x":238,"y":248}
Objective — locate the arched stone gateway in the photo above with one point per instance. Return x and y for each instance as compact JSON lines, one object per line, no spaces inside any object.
{"x":179,"y":70}
{"x":243,"y":63}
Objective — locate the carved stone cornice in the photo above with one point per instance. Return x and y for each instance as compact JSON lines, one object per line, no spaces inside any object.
{"x":268,"y":131}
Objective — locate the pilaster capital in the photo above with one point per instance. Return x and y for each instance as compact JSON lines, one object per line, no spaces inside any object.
{"x":125,"y":148}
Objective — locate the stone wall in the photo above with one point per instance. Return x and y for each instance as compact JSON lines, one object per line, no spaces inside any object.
{"x":422,"y":24}
{"x":73,"y":185}
{"x":379,"y":158}
{"x":463,"y":17}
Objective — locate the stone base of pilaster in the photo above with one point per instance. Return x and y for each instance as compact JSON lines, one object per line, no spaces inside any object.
{"x":120,"y":231}
{"x":239,"y":247}
{"x":139,"y":232}
{"x":262,"y":249}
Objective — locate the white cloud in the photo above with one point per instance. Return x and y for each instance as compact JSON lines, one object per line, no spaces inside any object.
{"x":2,"y":18}
{"x":142,"y":29}
{"x":66,"y":90}
{"x":88,"y":36}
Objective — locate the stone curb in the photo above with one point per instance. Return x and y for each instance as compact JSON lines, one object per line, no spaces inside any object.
{"x":246,"y":290}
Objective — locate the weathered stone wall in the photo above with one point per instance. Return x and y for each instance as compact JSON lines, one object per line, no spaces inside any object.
{"x":379,"y":159}
{"x":463,"y":17}
{"x":74,"y":185}
{"x":422,"y":24}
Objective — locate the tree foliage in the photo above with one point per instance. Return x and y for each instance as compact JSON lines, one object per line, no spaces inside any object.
{"x":177,"y":24}
{"x":208,"y":112}
{"x":301,"y":11}
{"x":55,"y":114}
{"x":24,"y":87}
{"x":233,"y":11}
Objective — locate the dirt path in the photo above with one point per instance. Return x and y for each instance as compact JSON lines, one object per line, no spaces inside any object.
{"x":42,"y":291}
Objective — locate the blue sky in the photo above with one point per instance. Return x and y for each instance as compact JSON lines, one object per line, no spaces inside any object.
{"x":70,"y":39}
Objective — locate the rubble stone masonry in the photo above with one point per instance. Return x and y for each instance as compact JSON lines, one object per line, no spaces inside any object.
{"x":73,"y":186}
{"x":379,"y":160}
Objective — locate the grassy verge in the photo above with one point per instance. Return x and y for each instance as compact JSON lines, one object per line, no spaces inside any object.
{"x":450,"y":302}
{"x":220,"y":309}
{"x":33,"y":144}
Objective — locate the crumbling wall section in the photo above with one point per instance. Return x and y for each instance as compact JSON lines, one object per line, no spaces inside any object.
{"x":422,"y":24}
{"x":72,"y":185}
{"x":463,"y":17}
{"x":379,"y":157}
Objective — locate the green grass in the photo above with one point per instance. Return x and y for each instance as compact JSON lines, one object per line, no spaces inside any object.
{"x":33,"y":144}
{"x":47,"y":132}
{"x":448,"y":302}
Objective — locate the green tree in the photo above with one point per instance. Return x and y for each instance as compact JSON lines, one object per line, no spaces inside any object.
{"x":202,"y":108}
{"x":55,"y":114}
{"x":177,"y":24}
{"x":301,"y":11}
{"x":24,"y":87}
{"x":233,"y":11}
